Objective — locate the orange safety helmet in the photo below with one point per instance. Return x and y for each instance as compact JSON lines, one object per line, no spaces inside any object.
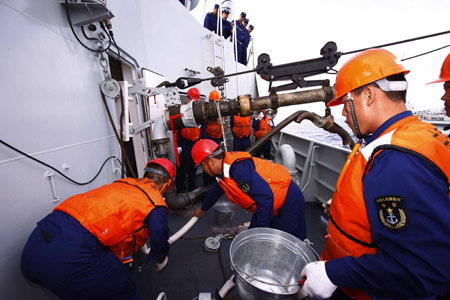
{"x":202,"y":149}
{"x":364,"y":68}
{"x":166,"y":164}
{"x":194,"y":93}
{"x":445,"y":71}
{"x":214,"y":95}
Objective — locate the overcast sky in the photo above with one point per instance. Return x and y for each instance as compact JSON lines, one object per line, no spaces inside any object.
{"x":294,"y":30}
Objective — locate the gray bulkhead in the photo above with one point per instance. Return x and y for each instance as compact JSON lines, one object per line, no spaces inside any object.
{"x":52,"y":107}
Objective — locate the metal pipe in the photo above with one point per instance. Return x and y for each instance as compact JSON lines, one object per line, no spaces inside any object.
{"x":274,"y":130}
{"x":326,"y":123}
{"x":205,"y":112}
{"x":274,"y":100}
{"x":181,"y":201}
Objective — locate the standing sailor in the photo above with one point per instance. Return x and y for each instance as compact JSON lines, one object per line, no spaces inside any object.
{"x":211,"y":131}
{"x":186,"y":139}
{"x":260,"y":186}
{"x":241,"y":128}
{"x":245,"y":42}
{"x":445,"y":77}
{"x":79,"y":250}
{"x":240,"y":36}
{"x":211,"y":19}
{"x":388,"y":234}
{"x":262,"y":124}
{"x":226,"y":25}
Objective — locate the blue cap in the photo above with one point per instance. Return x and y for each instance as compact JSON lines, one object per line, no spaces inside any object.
{"x":246,"y":21}
{"x":243,"y":14}
{"x":251,"y":27}
{"x":216,"y":6}
{"x":226,"y":11}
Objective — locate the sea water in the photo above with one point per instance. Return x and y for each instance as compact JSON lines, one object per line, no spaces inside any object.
{"x":308,"y":130}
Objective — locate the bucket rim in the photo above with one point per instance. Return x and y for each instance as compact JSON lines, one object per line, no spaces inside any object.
{"x":294,"y":244}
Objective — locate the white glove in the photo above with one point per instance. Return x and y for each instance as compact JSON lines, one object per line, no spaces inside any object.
{"x":260,"y":116}
{"x":160,"y":266}
{"x":270,"y":123}
{"x":317,"y":283}
{"x":179,"y":149}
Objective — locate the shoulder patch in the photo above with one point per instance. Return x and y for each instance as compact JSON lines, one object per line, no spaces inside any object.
{"x":391,"y":212}
{"x":244,"y":186}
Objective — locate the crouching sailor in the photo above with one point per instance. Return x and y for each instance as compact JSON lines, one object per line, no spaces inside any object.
{"x":79,"y":250}
{"x":260,"y":186}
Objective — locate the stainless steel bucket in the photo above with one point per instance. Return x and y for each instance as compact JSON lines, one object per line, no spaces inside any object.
{"x":267,"y":263}
{"x":224,"y":212}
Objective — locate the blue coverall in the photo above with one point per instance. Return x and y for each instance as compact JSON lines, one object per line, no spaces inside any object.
{"x":68,"y":260}
{"x":264,"y":150}
{"x":246,"y":41}
{"x":187,"y":166}
{"x":239,"y":144}
{"x":239,"y":40}
{"x":226,"y":29}
{"x":414,"y":261}
{"x":290,"y":218}
{"x":210,"y":22}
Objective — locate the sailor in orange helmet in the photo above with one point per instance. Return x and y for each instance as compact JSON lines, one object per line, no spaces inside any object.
{"x":212,"y":131}
{"x":258,"y":185}
{"x":388,"y":232}
{"x":241,"y":128}
{"x":445,"y":78}
{"x":186,"y":139}
{"x":79,"y":250}
{"x":262,"y":124}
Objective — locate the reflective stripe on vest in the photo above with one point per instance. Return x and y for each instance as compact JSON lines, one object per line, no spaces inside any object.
{"x":277,"y":176}
{"x":214,"y":130}
{"x":263,"y":128}
{"x":191,"y":133}
{"x":349,"y":232}
{"x":115,"y":213}
{"x":241,"y":126}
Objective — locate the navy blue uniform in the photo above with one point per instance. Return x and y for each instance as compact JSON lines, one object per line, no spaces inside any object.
{"x":264,"y":150}
{"x":240,"y":40}
{"x":239,"y":144}
{"x":210,"y":22}
{"x":291,"y":217}
{"x":226,"y":29}
{"x":413,"y":261}
{"x":246,"y":41}
{"x":187,"y":166}
{"x":68,"y":260}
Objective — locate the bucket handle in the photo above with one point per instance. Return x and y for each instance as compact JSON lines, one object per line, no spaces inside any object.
{"x":306,"y":242}
{"x":239,"y":270}
{"x":309,"y":244}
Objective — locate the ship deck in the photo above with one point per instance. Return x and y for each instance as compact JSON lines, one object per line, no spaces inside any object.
{"x":192,"y":270}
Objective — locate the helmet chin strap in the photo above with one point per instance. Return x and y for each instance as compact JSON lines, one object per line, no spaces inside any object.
{"x":209,"y":167}
{"x":353,"y":113}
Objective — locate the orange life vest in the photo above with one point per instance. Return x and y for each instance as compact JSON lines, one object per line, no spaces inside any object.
{"x":277,"y":176}
{"x":214,"y":130}
{"x":241,"y":126}
{"x":263,"y":127}
{"x":115,"y":213}
{"x":349,"y":232}
{"x":191,"y":133}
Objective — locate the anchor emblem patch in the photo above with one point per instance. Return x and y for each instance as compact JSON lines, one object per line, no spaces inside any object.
{"x":391,"y":212}
{"x":244,"y":186}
